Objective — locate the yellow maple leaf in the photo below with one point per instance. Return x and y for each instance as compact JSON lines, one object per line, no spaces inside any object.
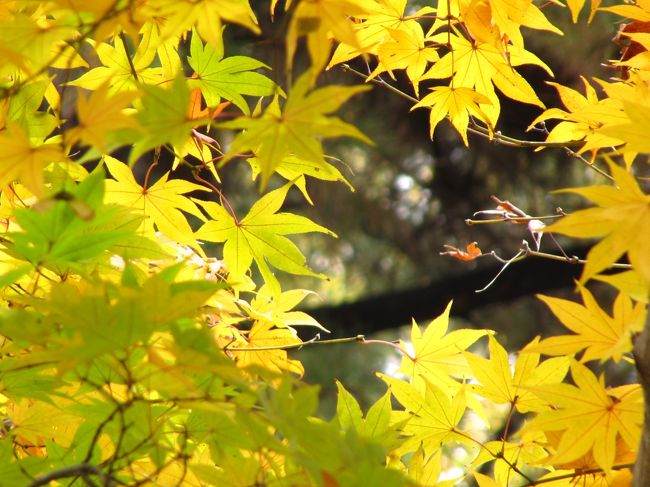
{"x":504,"y":455}
{"x":438,"y":355}
{"x":99,"y":114}
{"x":630,"y":283}
{"x":160,"y":204}
{"x":590,"y":418}
{"x":374,"y":28}
{"x":406,"y":50}
{"x":623,"y":212}
{"x":458,"y":104}
{"x":586,"y":118}
{"x":121,"y":70}
{"x":483,"y":67}
{"x":501,"y":385}
{"x":279,"y":309}
{"x":601,"y":336}
{"x":21,"y":160}
{"x":264,"y":334}
{"x":318,"y":19}
{"x":633,"y":96}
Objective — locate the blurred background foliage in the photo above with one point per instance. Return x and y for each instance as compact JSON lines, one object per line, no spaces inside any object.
{"x":412,"y":196}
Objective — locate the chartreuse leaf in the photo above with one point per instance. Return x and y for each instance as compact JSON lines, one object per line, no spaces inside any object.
{"x":278,"y":309}
{"x":296,"y":129}
{"x":503,"y":386}
{"x":601,"y":336}
{"x":163,"y":117}
{"x":259,"y":237}
{"x":438,"y":355}
{"x":228,"y":78}
{"x":621,"y":213}
{"x":348,"y":411}
{"x":159,"y":204}
{"x":431,"y":417}
{"x":23,"y":110}
{"x":294,"y":169}
{"x":377,"y":423}
{"x":70,"y":226}
{"x":590,"y":417}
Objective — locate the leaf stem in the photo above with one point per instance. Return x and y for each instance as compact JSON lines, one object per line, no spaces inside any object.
{"x":222,"y":197}
{"x":518,"y":219}
{"x":156,"y":159}
{"x":128,"y":57}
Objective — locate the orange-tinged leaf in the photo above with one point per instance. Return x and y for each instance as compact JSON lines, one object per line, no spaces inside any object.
{"x":260,"y":237}
{"x":471,"y":253}
{"x":601,"y":336}
{"x":195,"y":112}
{"x":161,"y":204}
{"x":590,"y":418}
{"x":620,"y":217}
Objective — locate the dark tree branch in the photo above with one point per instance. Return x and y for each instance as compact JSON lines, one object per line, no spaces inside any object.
{"x":83,"y":470}
{"x":376,"y":313}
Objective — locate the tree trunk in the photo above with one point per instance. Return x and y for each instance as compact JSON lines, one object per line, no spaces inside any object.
{"x":642,"y":359}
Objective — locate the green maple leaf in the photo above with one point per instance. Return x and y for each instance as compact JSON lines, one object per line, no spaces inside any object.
{"x":228,"y":78}
{"x":296,"y":129}
{"x":260,"y":237}
{"x":164,"y":117}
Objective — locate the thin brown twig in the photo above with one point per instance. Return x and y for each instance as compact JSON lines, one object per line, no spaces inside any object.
{"x":507,"y":219}
{"x":577,"y":473}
